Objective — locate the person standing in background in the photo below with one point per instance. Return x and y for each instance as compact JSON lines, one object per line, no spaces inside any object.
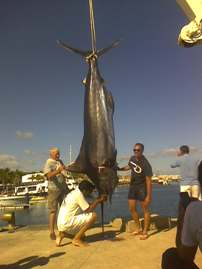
{"x":189,"y":172}
{"x":189,"y":184}
{"x":188,"y":236}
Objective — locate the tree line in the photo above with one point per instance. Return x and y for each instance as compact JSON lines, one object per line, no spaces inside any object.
{"x":8,"y":176}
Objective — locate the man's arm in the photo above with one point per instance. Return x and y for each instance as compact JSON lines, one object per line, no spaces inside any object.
{"x":148,"y":174}
{"x":175,"y":164}
{"x":54,"y":173}
{"x":149,"y":188}
{"x":97,"y":201}
{"x":125,"y":168}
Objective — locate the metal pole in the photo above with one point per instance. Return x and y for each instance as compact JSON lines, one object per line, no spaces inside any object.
{"x":70,"y":153}
{"x":102,"y":217}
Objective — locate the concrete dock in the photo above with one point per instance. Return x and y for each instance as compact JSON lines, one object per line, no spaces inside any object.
{"x":30,"y":247}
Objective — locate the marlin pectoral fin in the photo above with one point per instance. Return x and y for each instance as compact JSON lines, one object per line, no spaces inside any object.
{"x":71,"y":49}
{"x":113,"y":45}
{"x":76,"y":168}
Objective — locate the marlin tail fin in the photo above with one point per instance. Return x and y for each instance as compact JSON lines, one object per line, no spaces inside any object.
{"x":71,"y":49}
{"x":104,"y":50}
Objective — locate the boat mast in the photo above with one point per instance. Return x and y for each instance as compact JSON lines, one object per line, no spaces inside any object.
{"x":70,"y":153}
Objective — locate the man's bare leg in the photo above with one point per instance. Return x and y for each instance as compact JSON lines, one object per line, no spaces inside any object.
{"x":62,"y":235}
{"x":52,"y":218}
{"x":59,"y":238}
{"x":77,"y":240}
{"x":135,"y":216}
{"x":146,"y":221}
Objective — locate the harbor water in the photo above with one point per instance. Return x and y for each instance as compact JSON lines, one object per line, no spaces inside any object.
{"x":164,"y":202}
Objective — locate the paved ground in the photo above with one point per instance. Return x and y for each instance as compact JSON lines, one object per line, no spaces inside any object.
{"x":30,"y":247}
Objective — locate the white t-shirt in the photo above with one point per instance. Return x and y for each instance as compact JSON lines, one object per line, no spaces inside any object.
{"x":73,"y":204}
{"x":192,"y":227}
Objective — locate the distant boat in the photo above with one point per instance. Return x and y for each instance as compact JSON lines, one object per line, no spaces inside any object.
{"x":14,"y":201}
{"x":38,"y":199}
{"x":163,"y":181}
{"x":32,"y":189}
{"x":155,"y":179}
{"x":41,"y":188}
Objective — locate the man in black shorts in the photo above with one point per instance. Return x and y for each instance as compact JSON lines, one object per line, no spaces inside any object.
{"x":140,"y":188}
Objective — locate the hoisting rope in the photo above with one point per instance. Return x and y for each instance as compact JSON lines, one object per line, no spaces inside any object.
{"x":92,"y":26}
{"x":93,"y":37}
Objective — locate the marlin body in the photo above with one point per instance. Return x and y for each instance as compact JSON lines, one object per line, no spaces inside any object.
{"x":97,"y":157}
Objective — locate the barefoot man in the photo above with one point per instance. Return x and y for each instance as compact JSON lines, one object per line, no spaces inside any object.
{"x":75,"y":216}
{"x":54,"y":170}
{"x":140,"y":188}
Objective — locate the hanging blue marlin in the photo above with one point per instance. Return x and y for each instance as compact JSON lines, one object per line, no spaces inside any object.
{"x":97,"y":157}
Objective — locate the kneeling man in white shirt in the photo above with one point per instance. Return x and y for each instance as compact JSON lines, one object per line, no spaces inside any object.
{"x":75,"y":216}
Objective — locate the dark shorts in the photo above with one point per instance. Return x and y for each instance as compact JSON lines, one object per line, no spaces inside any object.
{"x":55,"y":199}
{"x":137,"y":192}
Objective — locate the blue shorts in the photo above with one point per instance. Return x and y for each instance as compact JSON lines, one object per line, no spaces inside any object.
{"x":137,"y":192}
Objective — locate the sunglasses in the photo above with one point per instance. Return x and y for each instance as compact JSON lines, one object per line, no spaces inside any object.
{"x":137,"y":150}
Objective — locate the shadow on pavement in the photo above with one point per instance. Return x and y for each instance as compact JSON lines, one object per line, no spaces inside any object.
{"x":31,"y":262}
{"x":108,"y":235}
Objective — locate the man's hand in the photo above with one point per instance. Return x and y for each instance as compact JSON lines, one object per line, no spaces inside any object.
{"x":68,"y":167}
{"x":98,"y":200}
{"x":57,"y":171}
{"x":102,"y":198}
{"x":61,"y":168}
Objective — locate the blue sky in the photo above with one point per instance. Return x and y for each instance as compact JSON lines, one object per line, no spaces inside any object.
{"x":156,"y":84}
